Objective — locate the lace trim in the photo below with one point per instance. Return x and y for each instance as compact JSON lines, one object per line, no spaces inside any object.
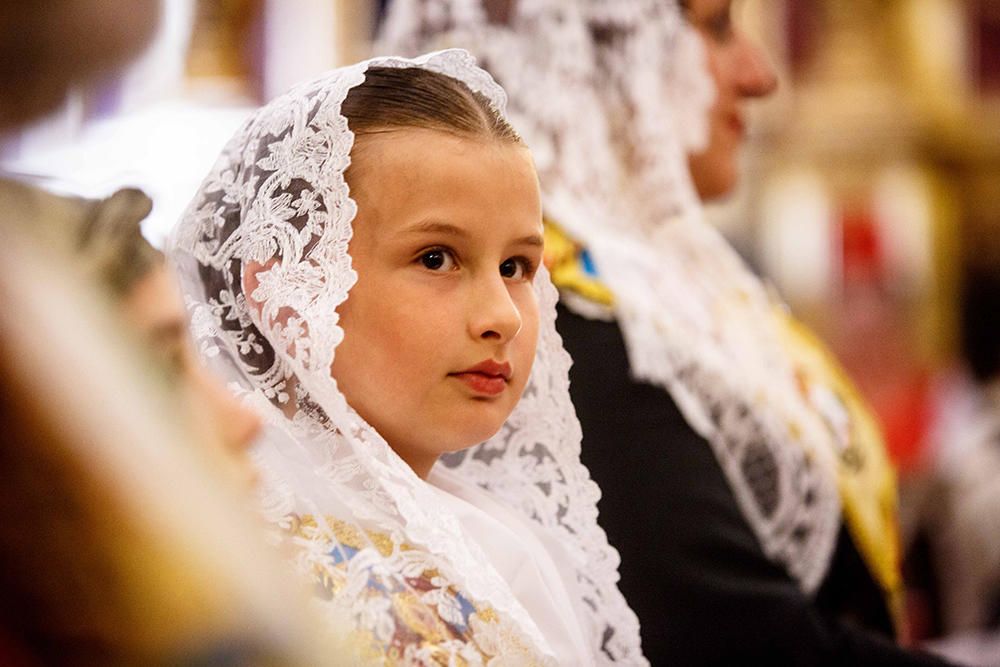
{"x":714,"y":346}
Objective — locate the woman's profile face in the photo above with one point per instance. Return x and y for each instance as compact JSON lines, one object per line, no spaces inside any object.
{"x":154,"y":307}
{"x":740,"y":72}
{"x":441,"y":327}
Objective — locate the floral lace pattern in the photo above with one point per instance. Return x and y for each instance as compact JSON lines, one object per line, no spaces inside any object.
{"x":277,"y":201}
{"x":716,"y":347}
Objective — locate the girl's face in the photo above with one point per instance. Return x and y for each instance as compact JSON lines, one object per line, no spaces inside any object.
{"x":740,"y":72}
{"x":440,"y":329}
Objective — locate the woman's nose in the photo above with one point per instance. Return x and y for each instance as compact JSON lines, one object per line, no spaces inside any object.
{"x":756,"y":76}
{"x":236,"y":424}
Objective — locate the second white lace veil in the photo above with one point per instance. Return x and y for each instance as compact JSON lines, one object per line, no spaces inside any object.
{"x":390,"y":557}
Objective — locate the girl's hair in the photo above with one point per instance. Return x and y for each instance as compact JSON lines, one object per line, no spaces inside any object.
{"x":393,"y":98}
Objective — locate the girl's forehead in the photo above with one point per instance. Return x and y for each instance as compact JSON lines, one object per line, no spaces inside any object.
{"x":419,"y":141}
{"x":439,"y":171}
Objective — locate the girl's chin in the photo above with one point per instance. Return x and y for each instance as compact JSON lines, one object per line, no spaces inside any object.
{"x":471,"y":438}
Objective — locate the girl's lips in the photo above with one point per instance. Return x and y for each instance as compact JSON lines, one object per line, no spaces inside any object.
{"x":489,"y":377}
{"x":489,"y":385}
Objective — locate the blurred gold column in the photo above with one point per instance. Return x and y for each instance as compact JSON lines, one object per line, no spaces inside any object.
{"x":225,"y":48}
{"x":850,"y":104}
{"x":355,"y":27}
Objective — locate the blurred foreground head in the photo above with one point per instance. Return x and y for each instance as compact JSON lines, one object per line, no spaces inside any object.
{"x":119,"y":544}
{"x":47,"y":48}
{"x":109,"y":243}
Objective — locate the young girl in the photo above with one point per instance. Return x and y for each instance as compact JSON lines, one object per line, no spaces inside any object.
{"x":364,"y":265}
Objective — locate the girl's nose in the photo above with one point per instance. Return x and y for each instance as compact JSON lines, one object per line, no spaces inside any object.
{"x":493,"y":313}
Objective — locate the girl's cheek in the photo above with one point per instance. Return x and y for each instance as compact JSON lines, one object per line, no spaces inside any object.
{"x":527,"y":302}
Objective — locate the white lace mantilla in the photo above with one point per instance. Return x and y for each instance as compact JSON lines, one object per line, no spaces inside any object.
{"x":378,"y":538}
{"x":713,"y":343}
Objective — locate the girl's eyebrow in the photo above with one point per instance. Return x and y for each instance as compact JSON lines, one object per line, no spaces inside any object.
{"x":532,"y":240}
{"x":432,"y":226}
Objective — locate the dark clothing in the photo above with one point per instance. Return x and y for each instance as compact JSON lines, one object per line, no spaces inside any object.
{"x":692,"y":567}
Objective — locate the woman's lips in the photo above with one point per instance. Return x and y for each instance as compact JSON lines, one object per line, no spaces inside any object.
{"x":489,"y":377}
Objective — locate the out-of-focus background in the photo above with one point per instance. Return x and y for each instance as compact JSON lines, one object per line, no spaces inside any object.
{"x":870,"y":198}
{"x":872,"y":201}
{"x":161,"y":123}
{"x":872,"y":190}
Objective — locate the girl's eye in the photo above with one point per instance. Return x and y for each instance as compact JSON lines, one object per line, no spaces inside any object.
{"x":516,"y":268}
{"x":438,"y":259}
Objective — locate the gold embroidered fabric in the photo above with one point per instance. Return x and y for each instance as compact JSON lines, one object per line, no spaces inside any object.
{"x":569,"y":268}
{"x":427,"y":622}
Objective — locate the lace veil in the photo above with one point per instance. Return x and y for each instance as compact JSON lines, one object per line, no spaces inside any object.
{"x":278,"y":191}
{"x":611,"y":95}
